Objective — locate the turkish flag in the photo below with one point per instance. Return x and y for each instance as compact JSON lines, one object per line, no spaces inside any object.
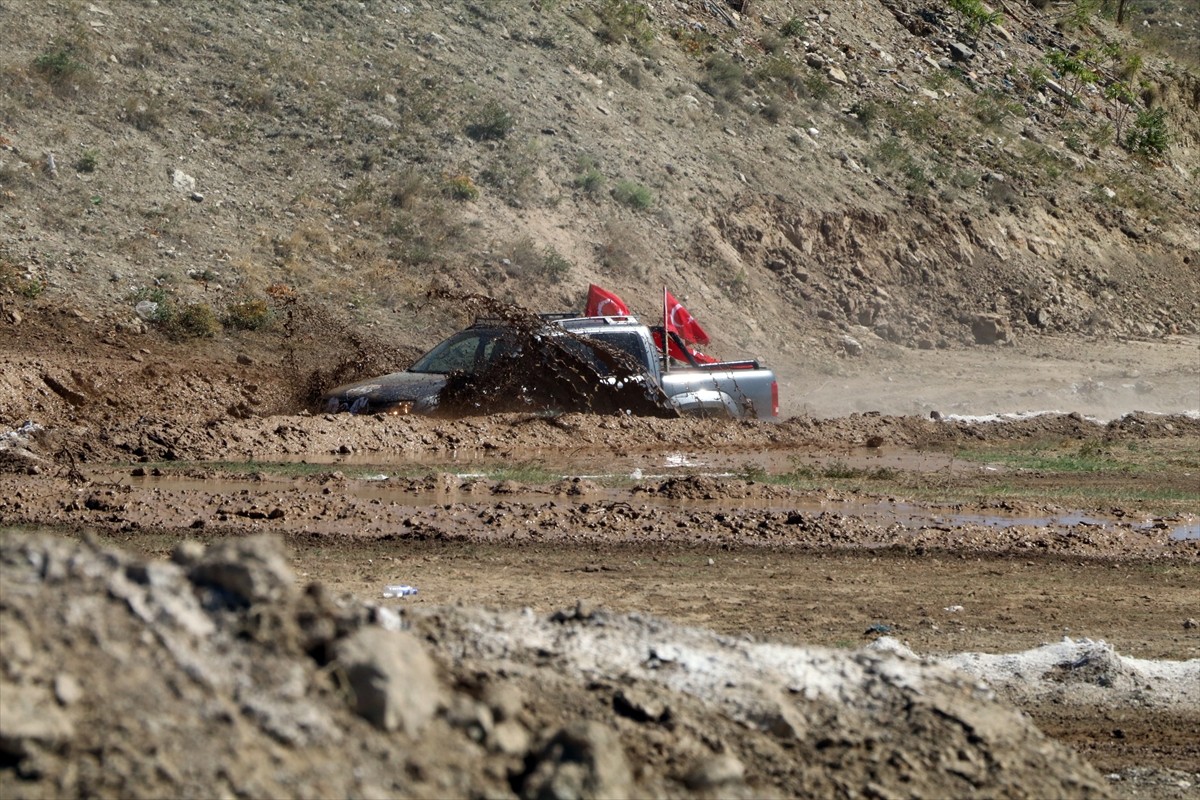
{"x":683,"y":323}
{"x":603,"y":303}
{"x":676,"y":353}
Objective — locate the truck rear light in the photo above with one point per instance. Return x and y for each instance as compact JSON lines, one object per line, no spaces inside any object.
{"x":775,"y":398}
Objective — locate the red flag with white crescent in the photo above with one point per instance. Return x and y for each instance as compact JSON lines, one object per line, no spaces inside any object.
{"x":677,"y":353}
{"x":683,"y":323}
{"x":603,"y":303}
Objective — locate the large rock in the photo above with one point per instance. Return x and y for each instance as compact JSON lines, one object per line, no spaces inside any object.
{"x":991,"y":329}
{"x":392,"y":678}
{"x":29,"y":719}
{"x":584,"y":759}
{"x":251,"y":570}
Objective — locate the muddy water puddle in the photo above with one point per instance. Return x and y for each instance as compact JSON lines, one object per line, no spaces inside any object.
{"x":479,"y":487}
{"x":585,"y":463}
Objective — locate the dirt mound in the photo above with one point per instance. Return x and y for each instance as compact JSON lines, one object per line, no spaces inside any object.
{"x":215,"y":675}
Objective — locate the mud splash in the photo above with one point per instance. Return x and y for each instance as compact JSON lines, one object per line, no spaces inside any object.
{"x":544,"y":367}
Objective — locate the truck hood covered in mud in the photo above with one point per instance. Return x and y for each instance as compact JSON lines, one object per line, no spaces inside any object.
{"x":395,"y":393}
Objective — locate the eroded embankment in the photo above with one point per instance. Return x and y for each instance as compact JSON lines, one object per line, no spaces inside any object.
{"x":129,"y":677}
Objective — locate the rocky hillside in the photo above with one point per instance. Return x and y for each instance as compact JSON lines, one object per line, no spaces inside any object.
{"x":802,"y":176}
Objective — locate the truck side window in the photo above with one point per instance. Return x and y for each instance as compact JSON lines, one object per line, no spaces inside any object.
{"x":455,"y":354}
{"x":630,"y":344}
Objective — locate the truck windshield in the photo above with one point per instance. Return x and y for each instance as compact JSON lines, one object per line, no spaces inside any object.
{"x":468,"y":351}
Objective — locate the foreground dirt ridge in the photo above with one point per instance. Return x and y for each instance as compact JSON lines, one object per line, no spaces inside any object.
{"x":129,"y":677}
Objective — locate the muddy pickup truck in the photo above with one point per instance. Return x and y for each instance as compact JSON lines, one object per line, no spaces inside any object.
{"x":561,"y":362}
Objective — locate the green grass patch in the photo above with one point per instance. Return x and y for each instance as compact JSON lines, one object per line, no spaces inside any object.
{"x":1089,"y":457}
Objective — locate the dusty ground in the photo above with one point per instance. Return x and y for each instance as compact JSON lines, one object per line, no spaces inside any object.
{"x":895,"y":231}
{"x":949,"y":536}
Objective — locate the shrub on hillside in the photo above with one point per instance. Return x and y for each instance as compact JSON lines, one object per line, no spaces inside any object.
{"x":975,"y":16}
{"x":633,"y":195}
{"x":526,"y":260}
{"x":60,"y":66}
{"x":493,"y":123}
{"x":1148,"y":135}
{"x":248,"y":314}
{"x":193,"y":321}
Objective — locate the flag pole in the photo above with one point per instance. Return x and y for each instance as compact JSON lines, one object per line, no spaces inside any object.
{"x":666,"y":343}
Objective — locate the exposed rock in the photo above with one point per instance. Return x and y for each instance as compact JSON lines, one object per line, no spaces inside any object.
{"x":183,"y":182}
{"x":505,"y":700}
{"x":470,"y":716}
{"x":509,"y":737}
{"x":67,"y":689}
{"x":584,"y":759}
{"x":714,"y":772}
{"x":850,"y":345}
{"x":392,"y":679}
{"x":991,"y":329}
{"x":251,"y":570}
{"x":640,"y":706}
{"x":30,"y":719}
{"x":146,"y":309}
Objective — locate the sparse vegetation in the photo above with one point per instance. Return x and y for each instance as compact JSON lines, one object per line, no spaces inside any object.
{"x":1148,"y":136}
{"x":389,"y":142}
{"x":818,"y":87}
{"x":511,"y":171}
{"x":12,"y":279}
{"x":1077,"y":14}
{"x":494,"y":122}
{"x":257,"y":99}
{"x":1074,"y":69}
{"x":1123,"y":104}
{"x":176,"y":320}
{"x":590,"y":179}
{"x":781,"y":73}
{"x":919,"y":120}
{"x":60,"y":66}
{"x":193,"y":321}
{"x":87,"y":161}
{"x":525,"y":259}
{"x":794,"y":28}
{"x":248,"y":314}
{"x":620,"y":251}
{"x":694,"y":42}
{"x":992,"y":108}
{"x":633,"y":194}
{"x":974,"y":15}
{"x":866,"y":112}
{"x":623,"y":21}
{"x":461,"y":187}
{"x":143,"y":113}
{"x":723,"y":77}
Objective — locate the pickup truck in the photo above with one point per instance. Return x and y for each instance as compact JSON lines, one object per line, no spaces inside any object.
{"x":562,"y":362}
